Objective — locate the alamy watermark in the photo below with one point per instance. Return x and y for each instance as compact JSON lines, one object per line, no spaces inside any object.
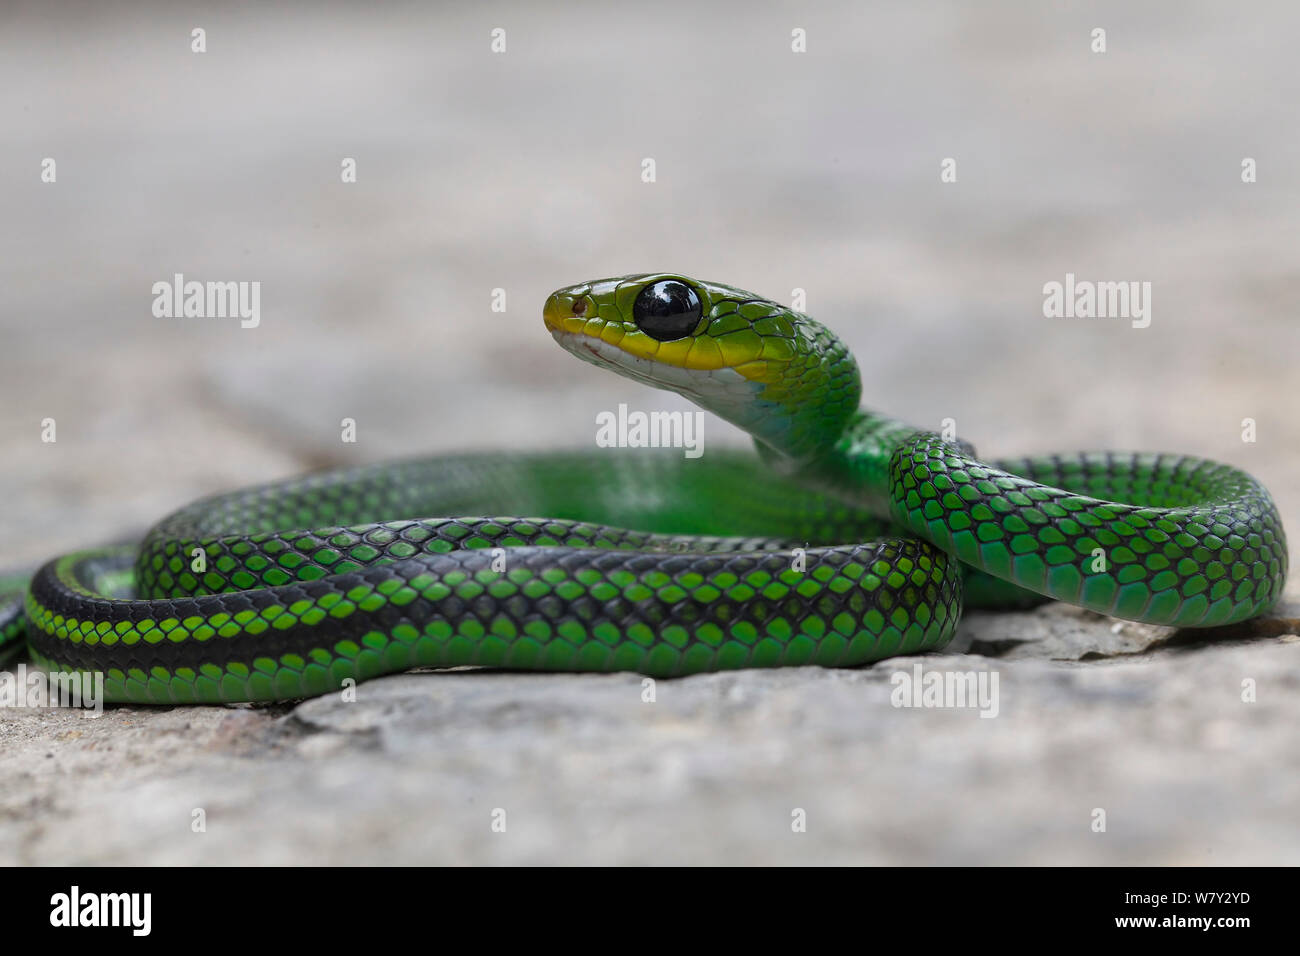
{"x":179,"y":299}
{"x":942,"y":689}
{"x":637,"y":429}
{"x":1085,"y":299}
{"x":40,"y":688}
{"x":132,"y":911}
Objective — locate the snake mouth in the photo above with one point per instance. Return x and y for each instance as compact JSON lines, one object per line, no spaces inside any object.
{"x":588,"y":349}
{"x":603,"y":355}
{"x":704,"y":387}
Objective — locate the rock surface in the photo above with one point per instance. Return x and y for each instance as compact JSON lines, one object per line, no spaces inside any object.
{"x":776,"y":171}
{"x":424,"y":767}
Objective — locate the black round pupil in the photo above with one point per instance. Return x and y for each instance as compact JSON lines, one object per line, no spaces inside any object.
{"x":667,"y":310}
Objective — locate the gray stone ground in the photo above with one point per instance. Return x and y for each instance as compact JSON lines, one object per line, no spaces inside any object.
{"x":775,"y":171}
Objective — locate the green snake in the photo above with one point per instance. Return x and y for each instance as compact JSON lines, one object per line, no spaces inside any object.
{"x":846,"y":537}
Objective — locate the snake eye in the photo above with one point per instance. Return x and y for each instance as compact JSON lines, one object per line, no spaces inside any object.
{"x":666,"y":310}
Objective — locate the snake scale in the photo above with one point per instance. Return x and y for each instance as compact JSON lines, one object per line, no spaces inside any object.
{"x":846,"y":538}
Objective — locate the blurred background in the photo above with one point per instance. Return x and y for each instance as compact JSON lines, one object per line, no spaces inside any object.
{"x":522,"y":170}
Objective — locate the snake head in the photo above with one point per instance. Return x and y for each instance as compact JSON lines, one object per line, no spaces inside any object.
{"x":774,"y":372}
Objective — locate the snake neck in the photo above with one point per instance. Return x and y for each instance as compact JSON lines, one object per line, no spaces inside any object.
{"x":854,"y":467}
{"x":807,"y":424}
{"x":797,"y":410}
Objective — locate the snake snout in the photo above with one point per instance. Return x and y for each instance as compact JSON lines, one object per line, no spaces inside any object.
{"x":563,"y":305}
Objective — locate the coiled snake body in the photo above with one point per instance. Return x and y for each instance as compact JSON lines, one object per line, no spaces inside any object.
{"x":848,"y":538}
